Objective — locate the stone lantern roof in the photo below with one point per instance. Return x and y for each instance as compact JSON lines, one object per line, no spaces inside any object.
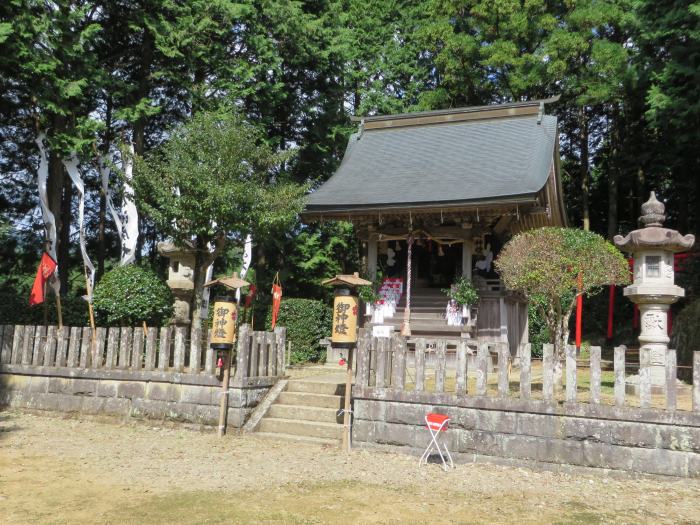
{"x":653,"y":234}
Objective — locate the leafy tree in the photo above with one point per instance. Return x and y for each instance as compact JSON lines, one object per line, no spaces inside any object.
{"x":214,"y":179}
{"x":545,"y":264}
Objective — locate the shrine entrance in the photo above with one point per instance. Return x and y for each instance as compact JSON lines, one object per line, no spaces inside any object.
{"x":433,"y":265}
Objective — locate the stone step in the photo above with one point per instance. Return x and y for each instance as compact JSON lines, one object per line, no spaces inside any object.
{"x":316,"y":387}
{"x":301,"y":428}
{"x":305,"y":413}
{"x":304,"y":439}
{"x":310,"y":400}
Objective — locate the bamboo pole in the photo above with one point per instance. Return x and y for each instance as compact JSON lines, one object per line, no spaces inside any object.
{"x":223,"y":405}
{"x":346,"y":408}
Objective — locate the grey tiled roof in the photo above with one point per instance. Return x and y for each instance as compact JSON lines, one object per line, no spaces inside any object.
{"x":491,"y":159}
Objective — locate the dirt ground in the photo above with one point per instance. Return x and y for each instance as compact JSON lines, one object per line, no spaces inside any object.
{"x":57,"y":469}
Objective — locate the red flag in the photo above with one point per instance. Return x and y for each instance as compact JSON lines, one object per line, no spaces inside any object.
{"x":250,"y":296}
{"x":276,"y":301}
{"x":47,"y":267}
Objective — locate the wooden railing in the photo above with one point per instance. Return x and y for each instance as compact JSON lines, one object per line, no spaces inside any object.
{"x":166,"y":349}
{"x":382,"y":364}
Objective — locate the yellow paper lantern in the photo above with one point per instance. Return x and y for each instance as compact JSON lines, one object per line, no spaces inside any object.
{"x":345,"y":317}
{"x":223,"y":325}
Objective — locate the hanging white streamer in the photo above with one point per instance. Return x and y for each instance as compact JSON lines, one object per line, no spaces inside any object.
{"x":47,"y":215}
{"x":130,"y":233}
{"x":74,"y":174}
{"x":104,"y":177}
{"x":247,"y":258}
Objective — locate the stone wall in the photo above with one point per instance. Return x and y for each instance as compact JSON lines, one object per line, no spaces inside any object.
{"x":639,"y":440}
{"x":192,"y":398}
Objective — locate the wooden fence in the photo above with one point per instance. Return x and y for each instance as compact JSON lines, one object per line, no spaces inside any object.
{"x":382,"y":364}
{"x":165,"y":349}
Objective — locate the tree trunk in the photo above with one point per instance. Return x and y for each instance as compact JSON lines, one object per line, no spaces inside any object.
{"x":198,"y":291}
{"x":101,"y":241}
{"x":613,"y":175}
{"x":583,"y":145}
{"x":639,"y":194}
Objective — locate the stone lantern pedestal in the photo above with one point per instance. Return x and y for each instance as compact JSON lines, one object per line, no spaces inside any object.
{"x":653,"y":288}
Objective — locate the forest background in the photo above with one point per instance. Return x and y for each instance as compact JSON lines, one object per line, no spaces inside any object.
{"x":95,"y":76}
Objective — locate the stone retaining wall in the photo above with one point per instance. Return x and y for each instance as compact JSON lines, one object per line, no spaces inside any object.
{"x":192,"y":398}
{"x":639,"y":440}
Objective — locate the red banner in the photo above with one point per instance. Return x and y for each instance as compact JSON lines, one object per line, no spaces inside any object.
{"x":47,"y":267}
{"x":276,"y":301}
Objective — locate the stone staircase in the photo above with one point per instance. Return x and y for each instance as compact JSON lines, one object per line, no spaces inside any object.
{"x":306,"y":410}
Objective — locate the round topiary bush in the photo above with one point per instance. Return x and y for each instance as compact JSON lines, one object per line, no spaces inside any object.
{"x":129,"y":295}
{"x":307,"y":322}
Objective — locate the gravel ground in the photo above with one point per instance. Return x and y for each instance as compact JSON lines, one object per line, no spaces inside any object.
{"x":57,"y":469}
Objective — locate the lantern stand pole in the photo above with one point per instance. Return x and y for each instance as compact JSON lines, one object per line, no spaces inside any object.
{"x":346,"y":407}
{"x":223,"y":405}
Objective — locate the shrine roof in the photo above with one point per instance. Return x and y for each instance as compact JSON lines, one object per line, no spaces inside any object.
{"x":499,"y":153}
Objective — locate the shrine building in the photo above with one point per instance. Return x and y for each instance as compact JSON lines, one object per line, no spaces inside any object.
{"x":456,"y":184}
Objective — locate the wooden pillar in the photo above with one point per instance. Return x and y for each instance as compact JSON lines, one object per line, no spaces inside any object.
{"x":372,"y":256}
{"x":467,"y":253}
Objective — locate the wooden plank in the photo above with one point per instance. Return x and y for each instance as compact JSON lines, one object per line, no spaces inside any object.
{"x":254,"y":353}
{"x":398,"y":372}
{"x":210,"y":354}
{"x":85,"y":344}
{"x":112,"y":346}
{"x":419,"y":361}
{"x":503,"y":362}
{"x":696,"y":381}
{"x":8,"y":333}
{"x":362,"y":373}
{"x":195,"y":350}
{"x":243,"y":352}
{"x":98,"y":350}
{"x":595,"y":374}
{"x":571,"y":377}
{"x":124,"y":346}
{"x":17,"y":342}
{"x":62,"y":342}
{"x":281,"y":344}
{"x":525,"y":371}
{"x":272,"y":354}
{"x":440,"y":365}
{"x":137,"y":349}
{"x":164,"y":348}
{"x":382,"y":355}
{"x":50,"y":347}
{"x":39,"y":343}
{"x":461,"y":372}
{"x":547,"y":371}
{"x":179,"y":349}
{"x":671,"y":379}
{"x":151,"y":345}
{"x":482,"y":357}
{"x":73,"y":348}
{"x":27,"y":343}
{"x":644,"y":377}
{"x":619,"y":367}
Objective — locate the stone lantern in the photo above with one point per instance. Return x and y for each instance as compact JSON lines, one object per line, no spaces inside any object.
{"x":653,"y":288}
{"x":180,"y":278}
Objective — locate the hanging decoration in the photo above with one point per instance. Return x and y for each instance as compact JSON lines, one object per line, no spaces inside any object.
{"x":130,"y":233}
{"x":47,"y":267}
{"x":103,"y":167}
{"x":247,"y":258}
{"x":276,"y":298}
{"x":74,"y":174}
{"x":46,"y":213}
{"x":406,"y":328}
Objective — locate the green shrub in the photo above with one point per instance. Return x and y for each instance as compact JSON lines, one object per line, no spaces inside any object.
{"x":538,"y":332}
{"x":129,"y":295}
{"x":307,"y":322}
{"x":15,"y":309}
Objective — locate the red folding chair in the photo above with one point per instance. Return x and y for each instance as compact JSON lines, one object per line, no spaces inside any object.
{"x":436,"y":423}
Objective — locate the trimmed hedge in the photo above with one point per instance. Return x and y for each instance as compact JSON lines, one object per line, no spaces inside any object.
{"x":15,"y":309}
{"x":686,"y":335}
{"x":307,"y":322}
{"x":129,"y":295}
